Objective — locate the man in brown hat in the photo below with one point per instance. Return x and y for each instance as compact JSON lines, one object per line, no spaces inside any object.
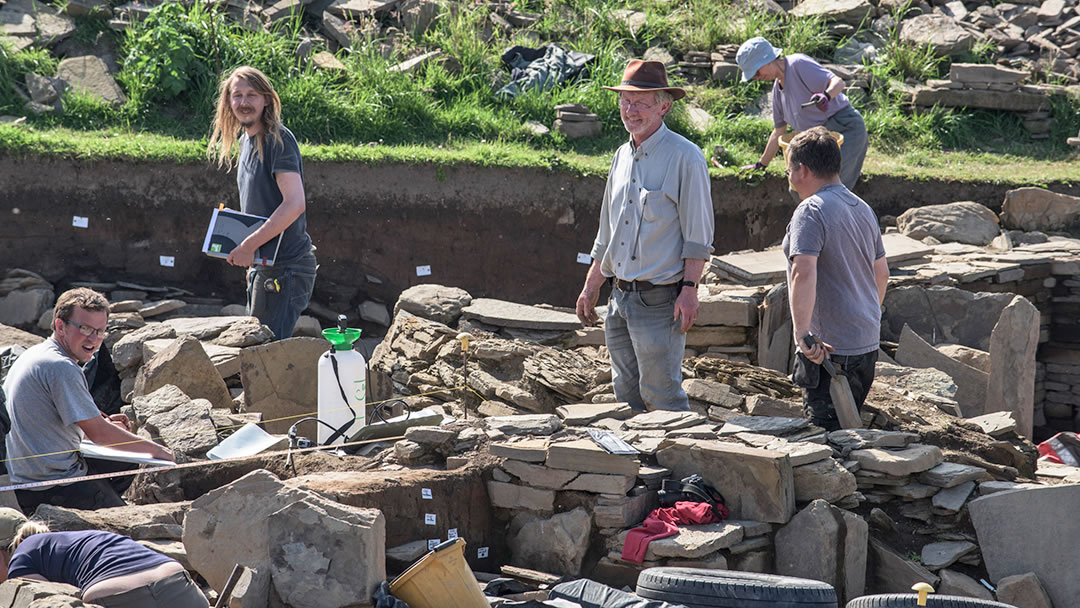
{"x":656,"y":231}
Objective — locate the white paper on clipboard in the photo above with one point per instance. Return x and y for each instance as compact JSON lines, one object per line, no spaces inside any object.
{"x":93,"y":450}
{"x":229,"y":228}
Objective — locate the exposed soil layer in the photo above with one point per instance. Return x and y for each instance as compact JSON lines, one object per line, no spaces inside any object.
{"x":508,"y":233}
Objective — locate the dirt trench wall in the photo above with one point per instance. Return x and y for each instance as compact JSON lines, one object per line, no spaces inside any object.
{"x":508,"y":233}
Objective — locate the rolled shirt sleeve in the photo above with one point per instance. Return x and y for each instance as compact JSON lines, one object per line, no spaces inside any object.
{"x":695,"y":208}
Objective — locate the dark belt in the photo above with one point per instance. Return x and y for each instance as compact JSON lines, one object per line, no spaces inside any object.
{"x":622,"y":285}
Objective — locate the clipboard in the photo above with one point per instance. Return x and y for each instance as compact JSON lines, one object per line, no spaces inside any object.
{"x":93,"y":450}
{"x":229,"y":228}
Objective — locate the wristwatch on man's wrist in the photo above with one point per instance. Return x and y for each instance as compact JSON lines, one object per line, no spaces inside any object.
{"x":686,"y":284}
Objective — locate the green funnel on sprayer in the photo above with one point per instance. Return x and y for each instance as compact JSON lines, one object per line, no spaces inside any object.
{"x":341,"y":337}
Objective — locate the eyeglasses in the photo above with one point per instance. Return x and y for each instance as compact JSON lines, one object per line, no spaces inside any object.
{"x":88,"y":331}
{"x":631,"y":106}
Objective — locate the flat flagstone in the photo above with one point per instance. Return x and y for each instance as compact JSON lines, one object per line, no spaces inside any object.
{"x":582,"y":414}
{"x":951,"y":500}
{"x":899,"y":463}
{"x":996,"y":424}
{"x":530,"y":450}
{"x":664,"y":420}
{"x":693,"y":541}
{"x":949,"y":474}
{"x":944,"y":554}
{"x":523,"y":316}
{"x":768,"y":425}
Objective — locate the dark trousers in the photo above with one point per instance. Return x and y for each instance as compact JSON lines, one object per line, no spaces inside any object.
{"x":278,"y":294}
{"x":86,"y":495}
{"x":814,"y":380}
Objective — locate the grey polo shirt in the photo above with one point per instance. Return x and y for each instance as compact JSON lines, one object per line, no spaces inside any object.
{"x":657,"y":210}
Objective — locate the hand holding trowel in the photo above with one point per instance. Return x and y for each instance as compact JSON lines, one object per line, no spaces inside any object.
{"x":839,"y":389}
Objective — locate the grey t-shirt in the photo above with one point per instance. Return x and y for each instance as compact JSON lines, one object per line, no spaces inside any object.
{"x":842,"y":231}
{"x":47,"y":395}
{"x":802,"y":78}
{"x":259,"y":192}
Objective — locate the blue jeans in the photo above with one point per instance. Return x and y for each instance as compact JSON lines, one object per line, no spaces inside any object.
{"x":646,"y":346}
{"x":278,"y":294}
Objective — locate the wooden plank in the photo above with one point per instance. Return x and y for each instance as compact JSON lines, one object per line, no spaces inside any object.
{"x":534,"y":577}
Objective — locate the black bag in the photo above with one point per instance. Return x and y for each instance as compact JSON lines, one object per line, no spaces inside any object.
{"x":692,"y":489}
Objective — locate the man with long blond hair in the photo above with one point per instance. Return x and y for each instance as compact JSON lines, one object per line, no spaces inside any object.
{"x":270,"y":177}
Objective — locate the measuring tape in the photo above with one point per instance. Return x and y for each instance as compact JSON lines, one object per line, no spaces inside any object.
{"x":187,"y":465}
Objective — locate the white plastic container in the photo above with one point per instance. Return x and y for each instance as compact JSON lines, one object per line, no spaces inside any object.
{"x":340,"y":389}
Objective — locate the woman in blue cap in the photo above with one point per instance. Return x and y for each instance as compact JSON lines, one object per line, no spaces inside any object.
{"x":804,"y":95}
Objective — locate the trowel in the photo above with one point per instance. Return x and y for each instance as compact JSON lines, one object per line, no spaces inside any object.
{"x":839,"y":389}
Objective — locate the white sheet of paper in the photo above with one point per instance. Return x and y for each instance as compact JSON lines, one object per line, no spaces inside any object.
{"x":80,"y":222}
{"x":167,"y":260}
{"x":451,"y":534}
{"x":423,"y":271}
{"x":584,"y":258}
{"x":482,"y":552}
{"x":429,"y":519}
{"x":432,"y":543}
{"x":93,"y":450}
{"x":425,"y":493}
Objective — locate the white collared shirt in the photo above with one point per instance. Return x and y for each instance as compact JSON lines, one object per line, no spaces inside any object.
{"x":657,"y":210}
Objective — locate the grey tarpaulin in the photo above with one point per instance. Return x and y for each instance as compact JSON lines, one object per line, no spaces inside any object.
{"x":591,"y":594}
{"x":540,"y":68}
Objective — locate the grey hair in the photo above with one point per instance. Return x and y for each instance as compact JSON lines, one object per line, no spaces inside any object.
{"x":664,"y":97}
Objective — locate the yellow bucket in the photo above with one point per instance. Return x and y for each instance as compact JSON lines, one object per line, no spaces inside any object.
{"x":440,"y":579}
{"x":785,"y":139}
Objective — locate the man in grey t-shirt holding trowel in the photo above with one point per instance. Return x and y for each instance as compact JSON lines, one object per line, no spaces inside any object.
{"x":837,"y":275}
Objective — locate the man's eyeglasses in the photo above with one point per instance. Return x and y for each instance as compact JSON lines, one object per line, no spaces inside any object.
{"x":631,"y":106}
{"x":88,"y":331}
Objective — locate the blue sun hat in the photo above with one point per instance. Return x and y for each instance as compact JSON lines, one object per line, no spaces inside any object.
{"x":753,"y":54}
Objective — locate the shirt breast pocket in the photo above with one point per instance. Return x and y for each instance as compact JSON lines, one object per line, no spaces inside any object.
{"x":657,"y":206}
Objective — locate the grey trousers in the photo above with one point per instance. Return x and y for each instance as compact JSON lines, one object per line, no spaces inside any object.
{"x":850,"y":123}
{"x":173,"y":591}
{"x":646,"y":347}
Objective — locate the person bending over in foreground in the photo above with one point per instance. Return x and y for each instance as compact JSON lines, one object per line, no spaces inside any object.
{"x":111,"y":570}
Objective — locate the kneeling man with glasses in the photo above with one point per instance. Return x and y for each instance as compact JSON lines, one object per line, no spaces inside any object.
{"x":51,"y":409}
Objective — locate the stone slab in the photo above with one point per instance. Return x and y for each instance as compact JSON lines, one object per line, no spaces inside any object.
{"x":971,"y":383}
{"x":1031,"y":530}
{"x":512,"y":496}
{"x":769,"y":266}
{"x":693,"y":541}
{"x":950,"y":474}
{"x":583,"y":414}
{"x":597,"y":483}
{"x":664,"y":420}
{"x":758,"y":484}
{"x":951,"y":500}
{"x":996,"y":424}
{"x":766,"y":425}
{"x":899,"y":463}
{"x":509,"y":314}
{"x":585,"y":456}
{"x":529,"y":450}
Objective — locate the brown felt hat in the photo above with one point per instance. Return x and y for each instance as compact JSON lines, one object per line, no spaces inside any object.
{"x":646,"y":76}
